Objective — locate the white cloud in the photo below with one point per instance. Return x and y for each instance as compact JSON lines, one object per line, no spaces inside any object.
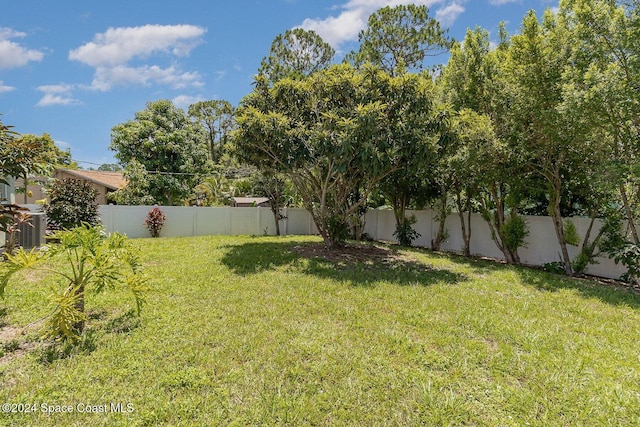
{"x":118,"y":46}
{"x":12,"y":54}
{"x":183,"y":101}
{"x":4,"y":88}
{"x":448,"y":15}
{"x":111,"y":52}
{"x":105,"y":78}
{"x":354,"y":15}
{"x":57,"y":95}
{"x":501,"y":2}
{"x":337,"y":30}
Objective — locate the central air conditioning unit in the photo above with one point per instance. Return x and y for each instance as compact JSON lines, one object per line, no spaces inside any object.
{"x":33,"y":236}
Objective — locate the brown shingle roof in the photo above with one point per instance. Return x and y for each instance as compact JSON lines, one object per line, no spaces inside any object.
{"x":111,"y":180}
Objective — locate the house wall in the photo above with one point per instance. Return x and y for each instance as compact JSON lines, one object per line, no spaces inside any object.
{"x":541,"y":246}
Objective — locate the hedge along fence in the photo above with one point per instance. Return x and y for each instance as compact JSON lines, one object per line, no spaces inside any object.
{"x":541,"y":247}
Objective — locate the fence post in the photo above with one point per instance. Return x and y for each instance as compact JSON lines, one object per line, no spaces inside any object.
{"x":258,"y":220}
{"x":194,"y":227}
{"x":286,"y":221}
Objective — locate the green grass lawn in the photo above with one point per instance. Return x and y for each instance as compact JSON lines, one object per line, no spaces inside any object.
{"x":245,"y":331}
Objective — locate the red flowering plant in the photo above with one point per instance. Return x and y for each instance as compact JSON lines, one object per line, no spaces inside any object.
{"x":155,"y":221}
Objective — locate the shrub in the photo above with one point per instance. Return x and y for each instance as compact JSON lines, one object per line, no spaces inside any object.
{"x":155,"y":221}
{"x":571,"y":234}
{"x":338,"y":229}
{"x":556,"y":267}
{"x":514,"y":232}
{"x":405,"y":232}
{"x":629,"y":256}
{"x":71,"y":203}
{"x":19,"y":218}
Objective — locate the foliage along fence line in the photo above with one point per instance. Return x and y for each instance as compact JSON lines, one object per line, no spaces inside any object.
{"x":541,"y":245}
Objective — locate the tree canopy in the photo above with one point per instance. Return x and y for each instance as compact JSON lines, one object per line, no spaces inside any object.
{"x":216,"y":117}
{"x":400,"y":38}
{"x":335,"y":132}
{"x":171,"y":149}
{"x":296,"y":52}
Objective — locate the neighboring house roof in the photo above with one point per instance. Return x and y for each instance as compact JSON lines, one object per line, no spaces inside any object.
{"x":250,"y":200}
{"x":111,"y":180}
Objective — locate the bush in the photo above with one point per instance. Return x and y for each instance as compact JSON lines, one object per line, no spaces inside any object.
{"x":338,"y":229}
{"x":405,"y":232}
{"x":155,"y":221}
{"x":571,"y":234}
{"x":629,"y":256}
{"x":514,"y":233}
{"x":71,"y":203}
{"x":582,"y":261}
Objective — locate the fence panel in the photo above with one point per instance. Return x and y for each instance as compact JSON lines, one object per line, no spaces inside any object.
{"x":541,"y":246}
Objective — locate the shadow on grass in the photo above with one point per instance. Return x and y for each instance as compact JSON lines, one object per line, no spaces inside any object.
{"x":341,"y":265}
{"x":605,"y":290}
{"x":53,"y":351}
{"x":608,"y":291}
{"x":99,"y":321}
{"x":257,"y":257}
{"x":477,"y":265}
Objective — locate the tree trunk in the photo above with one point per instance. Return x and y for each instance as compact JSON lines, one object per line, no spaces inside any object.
{"x":629,"y":214}
{"x":79,"y":306}
{"x":466,"y":228}
{"x":440,"y":236}
{"x":276,"y":216}
{"x":589,"y":248}
{"x":556,"y":216}
{"x":495,"y":220}
{"x":275,"y":210}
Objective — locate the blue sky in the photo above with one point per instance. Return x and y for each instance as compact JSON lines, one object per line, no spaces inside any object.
{"x":74,"y":69}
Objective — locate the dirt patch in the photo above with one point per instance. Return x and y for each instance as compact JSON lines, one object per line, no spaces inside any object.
{"x":12,"y":344}
{"x":8,"y":333}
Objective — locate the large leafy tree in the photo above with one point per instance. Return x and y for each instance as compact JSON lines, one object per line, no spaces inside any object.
{"x":412,"y":184}
{"x":334,"y":133}
{"x":472,"y":158}
{"x":41,"y":155}
{"x":216,"y":116}
{"x":138,"y":188}
{"x":473,"y":80}
{"x":399,"y":38}
{"x":20,"y":157}
{"x":171,"y":148}
{"x":26,"y":155}
{"x":545,"y":132}
{"x":605,"y":83}
{"x":296,"y":52}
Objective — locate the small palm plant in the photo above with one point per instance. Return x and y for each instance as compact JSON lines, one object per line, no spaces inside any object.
{"x":93,"y":261}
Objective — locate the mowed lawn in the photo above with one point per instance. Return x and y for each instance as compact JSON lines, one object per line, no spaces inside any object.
{"x":246,"y":331}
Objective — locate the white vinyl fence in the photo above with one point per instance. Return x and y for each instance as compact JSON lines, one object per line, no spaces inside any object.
{"x":541,"y":246}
